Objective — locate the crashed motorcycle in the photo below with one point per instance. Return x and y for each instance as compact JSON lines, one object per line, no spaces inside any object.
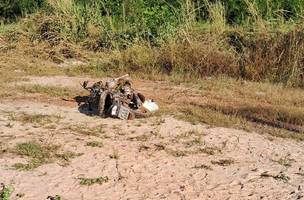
{"x":116,"y":98}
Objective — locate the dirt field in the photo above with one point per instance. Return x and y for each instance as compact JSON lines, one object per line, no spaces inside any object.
{"x":159,"y":157}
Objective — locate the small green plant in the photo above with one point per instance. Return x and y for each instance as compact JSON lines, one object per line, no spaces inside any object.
{"x":37,"y":153}
{"x":95,"y":144}
{"x":92,"y":181}
{"x":40,"y":154}
{"x":286,"y":162}
{"x":5,"y":192}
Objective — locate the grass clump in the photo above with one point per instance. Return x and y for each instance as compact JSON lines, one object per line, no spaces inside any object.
{"x":209,"y":150}
{"x":286,"y":162}
{"x":223,"y":162}
{"x":202,"y":167}
{"x":66,"y":157}
{"x":92,"y":181}
{"x":5,"y":192}
{"x":94,"y":144}
{"x":281,"y":176}
{"x":39,"y":155}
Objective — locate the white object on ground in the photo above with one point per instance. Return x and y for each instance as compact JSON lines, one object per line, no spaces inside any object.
{"x":150,"y":105}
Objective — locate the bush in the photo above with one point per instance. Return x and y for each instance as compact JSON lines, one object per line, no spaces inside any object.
{"x":10,"y":9}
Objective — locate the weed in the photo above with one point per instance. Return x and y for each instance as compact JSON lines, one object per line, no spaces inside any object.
{"x":67,"y":156}
{"x":114,"y":155}
{"x":280,"y":176}
{"x":286,"y":162}
{"x":160,"y":147}
{"x":34,"y":150}
{"x":95,"y":144}
{"x":56,"y":197}
{"x":39,"y":155}
{"x":5,"y":192}
{"x":209,"y":150}
{"x":202,"y":167}
{"x":92,"y":181}
{"x":223,"y":162}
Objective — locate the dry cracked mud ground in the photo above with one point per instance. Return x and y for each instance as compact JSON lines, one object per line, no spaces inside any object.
{"x":85,"y":157}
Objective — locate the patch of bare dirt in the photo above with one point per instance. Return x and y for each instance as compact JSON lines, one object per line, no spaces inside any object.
{"x":153,"y":158}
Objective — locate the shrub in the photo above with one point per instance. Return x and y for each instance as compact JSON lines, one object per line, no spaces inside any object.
{"x":10,"y":9}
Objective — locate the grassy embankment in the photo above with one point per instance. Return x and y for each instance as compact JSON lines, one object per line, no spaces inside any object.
{"x":247,"y":62}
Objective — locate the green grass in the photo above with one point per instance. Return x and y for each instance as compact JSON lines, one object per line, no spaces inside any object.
{"x":5,"y":192}
{"x":92,"y":181}
{"x":94,"y":144}
{"x":38,"y":155}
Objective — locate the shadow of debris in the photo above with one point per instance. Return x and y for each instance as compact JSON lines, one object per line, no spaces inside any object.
{"x":83,"y":106}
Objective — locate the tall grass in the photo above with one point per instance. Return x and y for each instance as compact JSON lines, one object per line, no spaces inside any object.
{"x":250,"y":39}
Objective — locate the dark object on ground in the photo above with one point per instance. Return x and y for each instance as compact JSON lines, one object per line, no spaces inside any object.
{"x":116,"y":98}
{"x":57,"y":197}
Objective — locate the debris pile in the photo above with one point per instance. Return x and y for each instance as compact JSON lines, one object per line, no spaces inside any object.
{"x":116,"y":98}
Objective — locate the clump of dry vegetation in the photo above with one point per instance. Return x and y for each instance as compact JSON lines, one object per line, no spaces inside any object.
{"x":94,"y":144}
{"x":223,"y":162}
{"x":92,"y":181}
{"x":34,"y":119}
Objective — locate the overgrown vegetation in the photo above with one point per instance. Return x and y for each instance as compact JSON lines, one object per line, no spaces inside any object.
{"x":251,"y":39}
